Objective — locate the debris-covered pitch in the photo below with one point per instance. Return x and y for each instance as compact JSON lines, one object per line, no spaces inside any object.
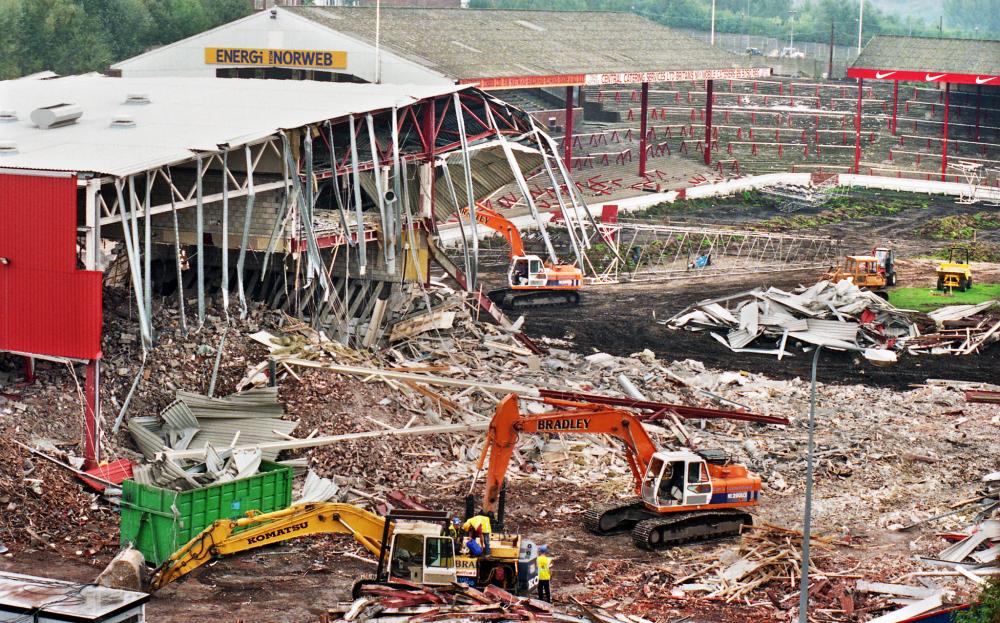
{"x":902,"y":479}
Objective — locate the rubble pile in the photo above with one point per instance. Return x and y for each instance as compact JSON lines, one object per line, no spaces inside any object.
{"x":768,"y":557}
{"x":881,"y":455}
{"x":960,"y":329}
{"x":44,"y":507}
{"x":837,"y":315}
{"x":412,"y":602}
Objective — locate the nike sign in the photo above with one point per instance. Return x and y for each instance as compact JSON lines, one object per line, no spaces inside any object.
{"x":881,"y":76}
{"x":984,"y":80}
{"x":930,"y":78}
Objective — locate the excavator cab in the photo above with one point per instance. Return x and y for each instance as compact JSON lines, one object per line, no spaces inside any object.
{"x":418,"y":550}
{"x":527,"y":271}
{"x":420,"y":554}
{"x":676,"y":479}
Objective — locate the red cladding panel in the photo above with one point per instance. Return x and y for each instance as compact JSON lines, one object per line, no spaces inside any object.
{"x":38,"y":222}
{"x":47,"y":306}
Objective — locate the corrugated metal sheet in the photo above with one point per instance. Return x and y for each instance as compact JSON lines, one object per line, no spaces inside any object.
{"x":957,"y":312}
{"x":116,"y":472}
{"x":490,"y":173}
{"x":47,"y":306}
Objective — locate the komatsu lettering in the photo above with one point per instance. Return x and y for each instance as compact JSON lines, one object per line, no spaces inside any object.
{"x":565,"y":424}
{"x":276,"y":533}
{"x":313,"y":59}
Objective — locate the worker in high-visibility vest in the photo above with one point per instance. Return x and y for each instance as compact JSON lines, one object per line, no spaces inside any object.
{"x":479,"y":527}
{"x":544,"y":574}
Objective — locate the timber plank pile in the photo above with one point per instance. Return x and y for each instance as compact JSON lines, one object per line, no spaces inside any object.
{"x":419,"y":604}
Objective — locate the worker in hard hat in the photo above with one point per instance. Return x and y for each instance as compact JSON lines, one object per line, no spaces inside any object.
{"x":454,"y":529}
{"x":479,"y":527}
{"x":544,"y":574}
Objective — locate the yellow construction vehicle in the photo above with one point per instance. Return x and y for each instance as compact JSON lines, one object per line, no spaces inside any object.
{"x":956,"y":272}
{"x":411,"y":546}
{"x":874,"y":272}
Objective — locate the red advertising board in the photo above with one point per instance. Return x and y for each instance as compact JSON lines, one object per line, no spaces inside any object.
{"x":922,"y":76}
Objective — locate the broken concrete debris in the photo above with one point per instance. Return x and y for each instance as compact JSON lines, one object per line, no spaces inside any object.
{"x":839,"y":316}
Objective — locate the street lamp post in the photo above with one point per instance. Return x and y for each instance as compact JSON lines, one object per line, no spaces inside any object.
{"x":861,"y":21}
{"x":807,"y":527}
{"x":879,"y":358}
{"x":791,"y":32}
{"x":712,"y":37}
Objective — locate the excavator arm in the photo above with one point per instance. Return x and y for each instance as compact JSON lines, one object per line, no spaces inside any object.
{"x":228,"y":536}
{"x":499,"y":224}
{"x":569,"y":417}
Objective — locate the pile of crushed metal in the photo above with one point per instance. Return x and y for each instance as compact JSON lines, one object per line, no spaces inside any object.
{"x":838,"y":315}
{"x":210,"y":428}
{"x":411,"y":602}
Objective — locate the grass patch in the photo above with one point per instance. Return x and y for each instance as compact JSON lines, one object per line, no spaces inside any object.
{"x":745,"y":199}
{"x":978,"y":252}
{"x":846,"y":208}
{"x":960,"y":226}
{"x":929,"y":299}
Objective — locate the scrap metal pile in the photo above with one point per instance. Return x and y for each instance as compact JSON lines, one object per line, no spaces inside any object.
{"x":837,"y":315}
{"x":214,"y":426}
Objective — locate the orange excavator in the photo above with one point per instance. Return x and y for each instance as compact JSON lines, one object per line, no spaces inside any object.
{"x":531,"y":282}
{"x":681,"y":496}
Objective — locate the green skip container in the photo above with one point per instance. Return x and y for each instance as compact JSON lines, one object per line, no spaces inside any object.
{"x":159,"y":521}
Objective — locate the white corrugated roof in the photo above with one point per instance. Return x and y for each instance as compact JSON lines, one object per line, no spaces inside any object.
{"x":186,"y":115}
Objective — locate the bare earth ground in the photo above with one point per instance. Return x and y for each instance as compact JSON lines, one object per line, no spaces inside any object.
{"x":296,"y":581}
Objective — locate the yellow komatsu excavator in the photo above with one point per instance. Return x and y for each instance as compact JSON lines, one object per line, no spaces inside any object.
{"x":412,"y":546}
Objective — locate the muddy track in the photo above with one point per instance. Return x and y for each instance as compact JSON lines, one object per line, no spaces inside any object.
{"x":622,"y":319}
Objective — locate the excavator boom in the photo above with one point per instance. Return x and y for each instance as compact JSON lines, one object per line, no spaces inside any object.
{"x":500,"y":224}
{"x":573,"y":417}
{"x":227,"y":536}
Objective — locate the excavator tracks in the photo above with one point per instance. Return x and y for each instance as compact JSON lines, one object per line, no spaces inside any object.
{"x":517,"y":300}
{"x":617,"y":517}
{"x":668,"y":530}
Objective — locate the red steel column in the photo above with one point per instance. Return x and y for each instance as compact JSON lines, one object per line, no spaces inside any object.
{"x":29,"y":370}
{"x":979,"y":94}
{"x":709,"y":84}
{"x":644,"y":105}
{"x":944,"y":143}
{"x":568,"y":141}
{"x":429,"y":124}
{"x":895,"y":100}
{"x":428,"y":129}
{"x":92,"y":415}
{"x":857,"y":131}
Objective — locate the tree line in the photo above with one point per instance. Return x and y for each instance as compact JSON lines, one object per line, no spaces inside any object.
{"x":811,"y":19}
{"x":75,"y":36}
